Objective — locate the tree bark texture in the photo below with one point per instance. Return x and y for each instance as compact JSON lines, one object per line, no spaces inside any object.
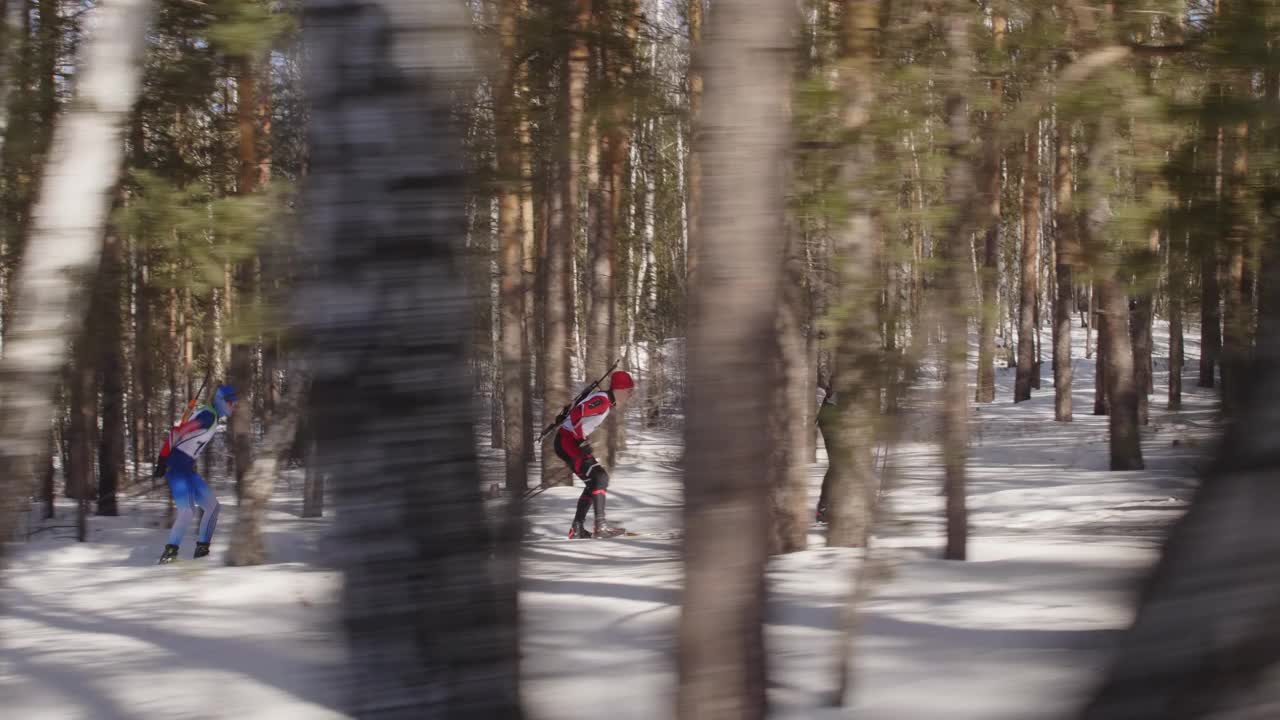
{"x":65,"y":240}
{"x":955,"y":310}
{"x":385,"y":317}
{"x":1114,"y":342}
{"x":111,"y":371}
{"x":990,"y":281}
{"x":745,"y":145}
{"x":1067,"y":259}
{"x":514,"y":351}
{"x":247,"y":547}
{"x":1030,"y":275}
{"x":851,"y":491}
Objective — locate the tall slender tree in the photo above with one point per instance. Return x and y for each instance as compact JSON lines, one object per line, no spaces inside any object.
{"x":852,"y":478}
{"x":955,"y":295}
{"x":986,"y":385}
{"x":110,"y":339}
{"x":511,"y":259}
{"x":1067,"y":252}
{"x":1114,"y":338}
{"x":1029,"y":279}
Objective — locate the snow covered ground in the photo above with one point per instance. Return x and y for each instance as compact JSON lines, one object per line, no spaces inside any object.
{"x":1058,"y":545}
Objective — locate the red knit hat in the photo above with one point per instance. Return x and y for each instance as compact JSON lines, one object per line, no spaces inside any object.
{"x":621,"y":380}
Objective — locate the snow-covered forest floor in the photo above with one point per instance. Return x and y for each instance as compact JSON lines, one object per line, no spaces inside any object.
{"x":1058,"y":545}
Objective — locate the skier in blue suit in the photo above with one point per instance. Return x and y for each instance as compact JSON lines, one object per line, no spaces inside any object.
{"x":177,"y":464}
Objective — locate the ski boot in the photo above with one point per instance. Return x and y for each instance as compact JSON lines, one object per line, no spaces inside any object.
{"x":170,"y":555}
{"x":606,"y":529}
{"x":578,"y":532}
{"x":202,"y":549}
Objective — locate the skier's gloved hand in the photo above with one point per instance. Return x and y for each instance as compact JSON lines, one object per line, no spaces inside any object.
{"x":159,"y":468}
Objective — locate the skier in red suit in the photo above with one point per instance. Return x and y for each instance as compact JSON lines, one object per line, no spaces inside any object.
{"x":572,"y":447}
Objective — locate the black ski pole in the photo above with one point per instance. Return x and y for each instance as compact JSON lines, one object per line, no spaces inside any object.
{"x":191,"y":405}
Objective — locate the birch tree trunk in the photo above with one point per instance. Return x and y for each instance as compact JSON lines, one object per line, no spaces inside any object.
{"x":430,"y":618}
{"x":65,"y":242}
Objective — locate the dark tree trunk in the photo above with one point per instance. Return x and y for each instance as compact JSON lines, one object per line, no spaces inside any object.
{"x":47,"y":476}
{"x":1115,"y":350}
{"x":529,"y":280}
{"x":1210,"y":316}
{"x":562,"y":233}
{"x":1030,"y":278}
{"x":1091,"y":319}
{"x":240,"y":373}
{"x":1141,"y":316}
{"x":1067,"y":257}
{"x":1206,"y":638}
{"x":1238,"y":313}
{"x":110,"y":339}
{"x":144,"y":369}
{"x":83,"y":429}
{"x":1101,"y":390}
{"x":175,"y":355}
{"x":620,"y":138}
{"x":1140,"y":319}
{"x":313,"y":483}
{"x":1122,"y":389}
{"x":1177,"y":359}
{"x":990,"y":281}
{"x":960,"y":196}
{"x":431,"y":624}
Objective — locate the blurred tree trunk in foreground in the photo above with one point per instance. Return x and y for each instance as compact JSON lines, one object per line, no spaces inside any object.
{"x":1206,"y":640}
{"x":431,"y":625}
{"x":65,"y":244}
{"x":743,"y":145}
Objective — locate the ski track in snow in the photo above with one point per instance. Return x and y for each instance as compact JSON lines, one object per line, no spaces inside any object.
{"x":1058,"y":546}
